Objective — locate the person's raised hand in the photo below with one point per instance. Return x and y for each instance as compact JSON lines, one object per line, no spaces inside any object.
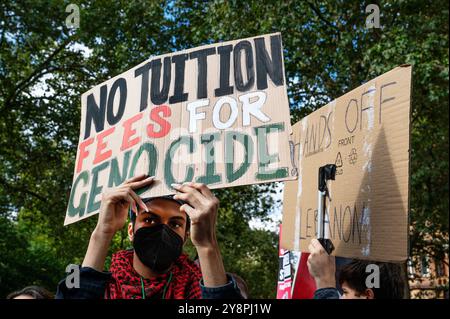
{"x":201,"y":208}
{"x":321,"y":265}
{"x":116,"y":202}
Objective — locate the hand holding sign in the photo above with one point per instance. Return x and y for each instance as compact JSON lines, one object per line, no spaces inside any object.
{"x":202,"y":208}
{"x":116,"y":202}
{"x":321,"y":265}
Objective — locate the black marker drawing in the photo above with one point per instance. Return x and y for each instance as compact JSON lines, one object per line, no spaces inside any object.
{"x":353,"y":156}
{"x":338,"y":161}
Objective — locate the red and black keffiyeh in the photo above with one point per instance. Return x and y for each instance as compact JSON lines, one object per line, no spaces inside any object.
{"x":126,"y":282}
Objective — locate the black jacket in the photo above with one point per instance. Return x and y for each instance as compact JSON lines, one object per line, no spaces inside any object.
{"x":93,"y":285}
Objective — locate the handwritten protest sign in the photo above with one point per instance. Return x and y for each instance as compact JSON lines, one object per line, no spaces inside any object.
{"x":217,"y":114}
{"x":366,"y":133}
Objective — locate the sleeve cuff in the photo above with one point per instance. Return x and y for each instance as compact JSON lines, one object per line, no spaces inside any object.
{"x":228,"y":291}
{"x":91,"y":272}
{"x":92,"y":285}
{"x":326,"y":293}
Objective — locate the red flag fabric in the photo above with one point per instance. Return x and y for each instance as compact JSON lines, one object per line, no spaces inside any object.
{"x":304,"y":285}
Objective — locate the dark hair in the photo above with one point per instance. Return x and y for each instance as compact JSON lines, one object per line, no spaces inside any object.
{"x":392,"y":283}
{"x":33,"y":291}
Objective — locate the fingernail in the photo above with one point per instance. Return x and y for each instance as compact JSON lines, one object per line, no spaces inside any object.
{"x":175,"y":185}
{"x":151,"y":177}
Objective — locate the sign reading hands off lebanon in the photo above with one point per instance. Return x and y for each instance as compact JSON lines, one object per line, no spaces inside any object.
{"x":366,"y":133}
{"x":217,"y":114}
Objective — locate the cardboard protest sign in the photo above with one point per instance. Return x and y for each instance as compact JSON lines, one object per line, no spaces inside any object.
{"x":366,"y":133}
{"x":217,"y":114}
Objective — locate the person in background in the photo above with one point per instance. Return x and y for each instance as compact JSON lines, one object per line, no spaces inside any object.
{"x":352,"y":277}
{"x":31,"y":292}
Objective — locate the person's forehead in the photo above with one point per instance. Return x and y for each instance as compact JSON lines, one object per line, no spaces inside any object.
{"x":165,"y":206}
{"x":345,"y":286}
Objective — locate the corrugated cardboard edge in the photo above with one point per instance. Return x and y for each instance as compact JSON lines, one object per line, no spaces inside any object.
{"x":408,"y":224}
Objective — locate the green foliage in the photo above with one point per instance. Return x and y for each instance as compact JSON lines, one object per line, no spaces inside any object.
{"x":328,"y":51}
{"x":26,"y":262}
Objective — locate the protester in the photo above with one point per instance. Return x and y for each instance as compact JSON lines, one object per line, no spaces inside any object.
{"x":31,"y":292}
{"x":352,"y":277}
{"x":156,"y":267}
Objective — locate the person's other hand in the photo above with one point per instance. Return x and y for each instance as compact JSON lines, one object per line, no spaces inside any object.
{"x":201,"y":208}
{"x":321,"y":265}
{"x":116,"y":202}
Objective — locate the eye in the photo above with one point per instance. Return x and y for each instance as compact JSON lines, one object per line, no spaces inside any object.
{"x":150,"y":220}
{"x":175,"y":225}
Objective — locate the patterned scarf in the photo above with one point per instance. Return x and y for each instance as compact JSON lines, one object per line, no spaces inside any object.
{"x":184,"y":283}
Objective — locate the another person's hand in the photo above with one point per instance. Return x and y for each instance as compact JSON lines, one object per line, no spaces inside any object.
{"x":321,"y":266}
{"x":201,"y":208}
{"x":116,"y":202}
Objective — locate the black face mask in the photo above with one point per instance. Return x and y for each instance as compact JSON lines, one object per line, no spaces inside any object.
{"x":157,"y":247}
